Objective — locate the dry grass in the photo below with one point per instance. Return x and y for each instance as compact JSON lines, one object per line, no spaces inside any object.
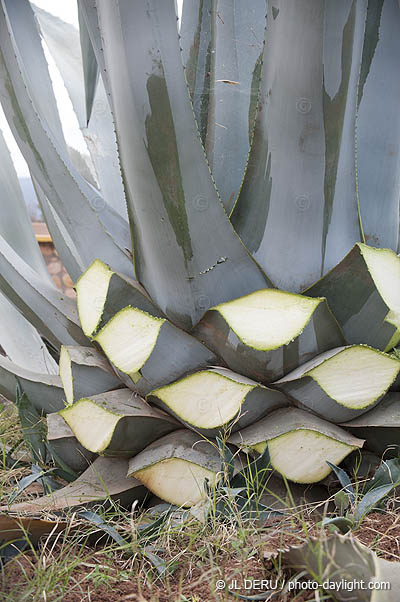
{"x":80,"y":564}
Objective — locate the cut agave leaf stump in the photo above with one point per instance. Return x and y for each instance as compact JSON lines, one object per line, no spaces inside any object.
{"x":342,"y":383}
{"x":101,"y":293}
{"x":65,"y":445}
{"x":121,"y":423}
{"x":268,"y":333}
{"x":149,"y":352}
{"x":380,"y":427}
{"x":217,"y":400}
{"x":363,"y":291}
{"x":299,"y":443}
{"x":295,"y":211}
{"x":84,"y":371}
{"x":44,"y":390}
{"x":176,"y":466}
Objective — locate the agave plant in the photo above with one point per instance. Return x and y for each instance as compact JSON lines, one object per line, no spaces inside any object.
{"x":235,"y":264}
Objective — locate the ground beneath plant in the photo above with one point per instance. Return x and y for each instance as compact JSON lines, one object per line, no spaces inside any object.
{"x":108,"y":577}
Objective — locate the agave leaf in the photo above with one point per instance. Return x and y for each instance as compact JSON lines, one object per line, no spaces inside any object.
{"x":363,"y":291}
{"x":66,"y":58}
{"x":371,"y":500}
{"x":227,"y":462}
{"x":65,"y":446}
{"x":280,"y":332}
{"x":256,"y":473}
{"x":341,"y":522}
{"x":102,"y":293}
{"x":299,"y":443}
{"x":104,"y":479}
{"x":176,"y":216}
{"x":300,"y":177}
{"x":377,"y":136}
{"x":11,"y":550}
{"x":147,"y":532}
{"x":90,"y":66}
{"x":380,"y":427}
{"x":69,"y":254}
{"x":64,"y":45}
{"x":8,"y":381}
{"x":90,"y":221}
{"x":25,"y":482}
{"x":21,"y":342}
{"x":87,"y":11}
{"x":84,"y":371}
{"x":176,"y":466}
{"x":362,"y":464}
{"x":235,"y":83}
{"x":95,"y":519}
{"x":241,"y":508}
{"x":33,"y":429}
{"x":54,"y":315}
{"x":196,"y":45}
{"x":62,"y":469}
{"x":159,"y":564}
{"x":122,"y":424}
{"x":222,"y":45}
{"x":101,"y":142}
{"x":25,"y":32}
{"x":44,"y":390}
{"x":148,"y":352}
{"x":342,"y":383}
{"x":19,"y":339}
{"x":387,"y":474}
{"x":10,"y":459}
{"x":340,"y":560}
{"x":15,"y":224}
{"x":217,"y":400}
{"x":344,"y":481}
